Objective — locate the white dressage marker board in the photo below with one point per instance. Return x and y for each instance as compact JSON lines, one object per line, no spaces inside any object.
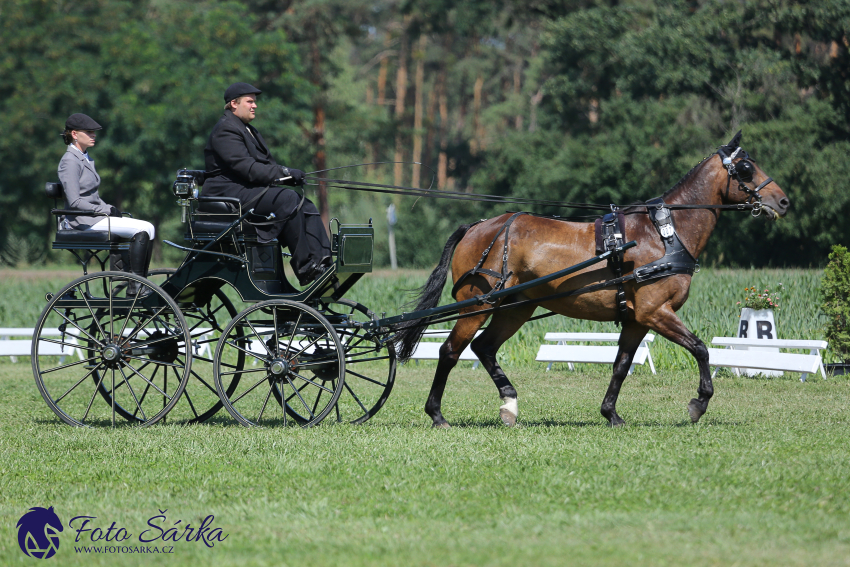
{"x":430,"y":350}
{"x":594,"y":354}
{"x":737,"y":355}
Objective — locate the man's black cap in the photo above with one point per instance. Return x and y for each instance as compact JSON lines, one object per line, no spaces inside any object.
{"x":239,"y":89}
{"x":81,"y":122}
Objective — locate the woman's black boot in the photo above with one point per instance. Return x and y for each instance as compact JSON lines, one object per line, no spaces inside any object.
{"x":140,"y":258}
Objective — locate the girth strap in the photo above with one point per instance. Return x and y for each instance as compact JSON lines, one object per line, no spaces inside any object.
{"x":503,"y":276}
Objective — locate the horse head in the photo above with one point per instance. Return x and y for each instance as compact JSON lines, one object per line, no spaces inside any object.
{"x":746,"y":182}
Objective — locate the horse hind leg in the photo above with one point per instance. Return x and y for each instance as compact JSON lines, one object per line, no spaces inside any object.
{"x":501,"y":328}
{"x":450,"y":351}
{"x":630,"y":338}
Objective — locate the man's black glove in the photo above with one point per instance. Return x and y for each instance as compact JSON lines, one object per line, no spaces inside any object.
{"x":114,"y":212}
{"x":296,"y":176}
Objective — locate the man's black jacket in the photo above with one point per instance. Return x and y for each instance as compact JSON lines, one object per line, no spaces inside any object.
{"x":238,"y":159}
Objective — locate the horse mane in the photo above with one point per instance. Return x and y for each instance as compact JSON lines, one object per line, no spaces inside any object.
{"x":685,"y":178}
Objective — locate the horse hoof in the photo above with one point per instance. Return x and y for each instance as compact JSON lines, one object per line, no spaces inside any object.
{"x":508,"y":418}
{"x":444,"y":425}
{"x":619,"y":422}
{"x":695,"y":410}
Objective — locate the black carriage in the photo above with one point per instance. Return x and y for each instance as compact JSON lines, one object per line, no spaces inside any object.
{"x":179,"y":347}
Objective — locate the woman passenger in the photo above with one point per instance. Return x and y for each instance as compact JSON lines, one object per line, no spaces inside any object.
{"x":80,"y":182}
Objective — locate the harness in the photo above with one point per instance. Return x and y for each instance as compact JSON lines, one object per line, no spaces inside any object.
{"x":503,"y":276}
{"x":610,"y":235}
{"x":676,"y":259}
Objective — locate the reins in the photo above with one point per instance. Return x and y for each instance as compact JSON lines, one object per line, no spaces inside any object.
{"x":737,"y":171}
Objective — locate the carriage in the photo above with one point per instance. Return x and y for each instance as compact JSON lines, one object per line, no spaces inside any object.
{"x":180,"y":348}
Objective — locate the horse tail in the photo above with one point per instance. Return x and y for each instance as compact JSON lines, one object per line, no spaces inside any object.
{"x":411,"y":332}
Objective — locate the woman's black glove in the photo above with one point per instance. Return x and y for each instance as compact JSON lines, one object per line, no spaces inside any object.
{"x":114,"y":212}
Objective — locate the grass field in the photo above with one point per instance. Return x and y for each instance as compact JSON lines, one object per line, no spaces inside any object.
{"x":763,"y":479}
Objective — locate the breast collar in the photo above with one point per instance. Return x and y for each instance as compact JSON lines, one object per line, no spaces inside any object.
{"x":676,"y":259}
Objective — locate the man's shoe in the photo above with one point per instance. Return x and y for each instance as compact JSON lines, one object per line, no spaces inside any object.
{"x":313,"y":273}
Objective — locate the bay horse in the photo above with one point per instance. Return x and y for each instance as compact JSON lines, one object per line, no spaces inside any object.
{"x":538,"y":246}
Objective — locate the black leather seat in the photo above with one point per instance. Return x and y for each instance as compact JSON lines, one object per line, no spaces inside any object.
{"x":214,"y":215}
{"x":86,"y":237}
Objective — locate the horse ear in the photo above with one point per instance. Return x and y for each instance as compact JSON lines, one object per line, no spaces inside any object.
{"x":735,"y":142}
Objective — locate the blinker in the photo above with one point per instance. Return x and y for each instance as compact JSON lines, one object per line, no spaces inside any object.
{"x":745,"y":170}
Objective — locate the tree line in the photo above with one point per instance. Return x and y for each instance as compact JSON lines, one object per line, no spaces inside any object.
{"x":570,"y":100}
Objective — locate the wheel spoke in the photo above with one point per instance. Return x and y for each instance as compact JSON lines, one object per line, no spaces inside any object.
{"x":204,"y":382}
{"x":149,"y":342}
{"x":80,"y":381}
{"x":148,"y":387}
{"x":276,"y":342}
{"x":313,"y":383}
{"x":130,"y":311}
{"x":83,"y":331}
{"x":159,"y":362}
{"x":259,"y":338}
{"x":186,"y":393}
{"x":257,"y":356}
{"x":243,"y":371}
{"x":138,"y":328}
{"x":347,"y":371}
{"x":312,"y":415}
{"x":246,"y":392}
{"x":91,"y":311}
{"x":294,"y":331}
{"x":265,"y":402}
{"x":155,"y":387}
{"x":91,"y":401}
{"x":356,"y":399}
{"x":133,"y":393}
{"x":316,"y":403}
{"x":57,"y":342}
{"x":69,"y":365}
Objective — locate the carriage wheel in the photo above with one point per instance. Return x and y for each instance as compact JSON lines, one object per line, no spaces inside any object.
{"x":297,"y":370}
{"x":370,"y":366}
{"x":122,"y":347}
{"x":206,"y":323}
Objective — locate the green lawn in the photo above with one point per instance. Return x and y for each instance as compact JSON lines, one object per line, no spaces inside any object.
{"x":762,"y":480}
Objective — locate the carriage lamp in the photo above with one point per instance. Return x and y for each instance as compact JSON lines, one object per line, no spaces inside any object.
{"x":184,"y":189}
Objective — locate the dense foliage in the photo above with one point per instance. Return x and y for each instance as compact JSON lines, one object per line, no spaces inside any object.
{"x":576,"y":100}
{"x":835,"y":301}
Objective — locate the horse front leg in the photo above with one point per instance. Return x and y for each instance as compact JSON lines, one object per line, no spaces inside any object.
{"x":630,"y":338}
{"x":667,"y":324}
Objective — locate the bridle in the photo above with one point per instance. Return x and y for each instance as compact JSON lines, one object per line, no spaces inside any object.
{"x":743,"y":172}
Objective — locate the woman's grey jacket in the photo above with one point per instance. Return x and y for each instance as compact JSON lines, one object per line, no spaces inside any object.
{"x":80,"y":182}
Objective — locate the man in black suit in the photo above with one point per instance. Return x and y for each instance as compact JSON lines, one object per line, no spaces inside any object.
{"x":239,"y":164}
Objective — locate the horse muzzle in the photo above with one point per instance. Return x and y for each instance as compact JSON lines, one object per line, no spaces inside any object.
{"x":776,"y":209}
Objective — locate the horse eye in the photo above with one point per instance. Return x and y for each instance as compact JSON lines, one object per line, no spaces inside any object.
{"x":745,"y":170}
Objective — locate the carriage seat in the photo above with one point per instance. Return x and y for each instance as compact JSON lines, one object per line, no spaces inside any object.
{"x":81,"y":238}
{"x":213,"y":215}
{"x":84,"y":244}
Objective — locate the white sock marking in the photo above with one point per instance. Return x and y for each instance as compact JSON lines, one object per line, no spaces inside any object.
{"x":510,"y":405}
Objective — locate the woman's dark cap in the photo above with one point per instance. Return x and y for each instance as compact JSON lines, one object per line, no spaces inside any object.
{"x":81,"y":122}
{"x":239,"y":89}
